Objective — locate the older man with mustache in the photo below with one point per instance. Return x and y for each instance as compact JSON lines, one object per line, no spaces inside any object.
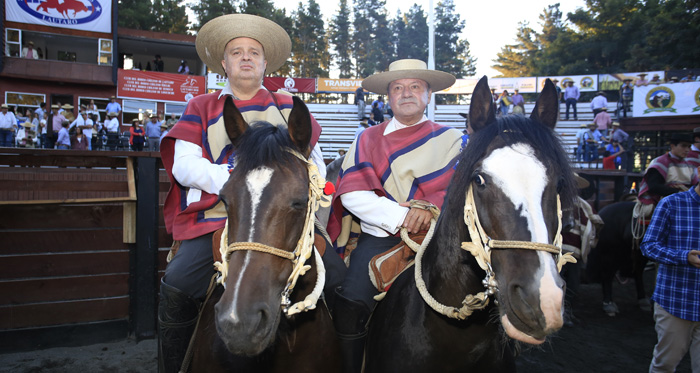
{"x":392,"y":175}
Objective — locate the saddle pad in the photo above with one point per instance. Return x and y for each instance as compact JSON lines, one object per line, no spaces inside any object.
{"x":387,"y":266}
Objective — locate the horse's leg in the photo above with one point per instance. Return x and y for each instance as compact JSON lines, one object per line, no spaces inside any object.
{"x":640,"y":262}
{"x":608,"y":274}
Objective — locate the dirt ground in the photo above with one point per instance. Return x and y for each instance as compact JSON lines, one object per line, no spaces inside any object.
{"x":597,"y":343}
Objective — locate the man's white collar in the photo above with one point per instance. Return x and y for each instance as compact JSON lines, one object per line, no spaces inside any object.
{"x":228,"y":91}
{"x":395,"y":125}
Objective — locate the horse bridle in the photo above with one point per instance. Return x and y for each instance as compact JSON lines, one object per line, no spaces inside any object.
{"x":302,"y":251}
{"x":480,"y":247}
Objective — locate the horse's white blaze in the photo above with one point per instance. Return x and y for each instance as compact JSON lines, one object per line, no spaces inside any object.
{"x":256,"y":181}
{"x":523,"y":178}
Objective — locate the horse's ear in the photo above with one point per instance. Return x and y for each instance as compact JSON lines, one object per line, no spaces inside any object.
{"x":299,"y":125}
{"x":481,"y":110}
{"x":546,"y":109}
{"x":233,"y":120}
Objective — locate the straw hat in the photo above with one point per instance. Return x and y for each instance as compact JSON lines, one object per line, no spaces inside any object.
{"x":67,"y":106}
{"x":406,"y":69}
{"x":616,"y":124}
{"x":135,"y":120}
{"x":26,"y":125}
{"x":212,"y":39}
{"x":54,"y":106}
{"x":581,"y":183}
{"x":583,"y":125}
{"x":163,"y":125}
{"x":4,"y":106}
{"x":112,"y":114}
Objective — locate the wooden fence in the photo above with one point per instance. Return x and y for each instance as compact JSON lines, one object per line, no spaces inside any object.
{"x":82,"y":245}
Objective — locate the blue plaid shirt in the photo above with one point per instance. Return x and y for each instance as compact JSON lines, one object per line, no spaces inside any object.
{"x":673,"y":232}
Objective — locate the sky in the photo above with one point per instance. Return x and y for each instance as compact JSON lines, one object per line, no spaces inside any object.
{"x":490,"y":24}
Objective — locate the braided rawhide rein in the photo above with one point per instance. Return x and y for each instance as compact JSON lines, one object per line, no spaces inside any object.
{"x":481,"y":250}
{"x":302,"y":252}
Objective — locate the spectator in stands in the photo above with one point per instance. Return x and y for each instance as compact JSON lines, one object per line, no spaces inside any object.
{"x":642,"y":81}
{"x":41,"y":131}
{"x":377,"y":113}
{"x":380,"y":103}
{"x":79,"y":141}
{"x":56,"y":123}
{"x":41,"y":110}
{"x":158,"y":63}
{"x":592,"y":140}
{"x":26,"y":137}
{"x":556,"y":85}
{"x":603,"y":121}
{"x":362,"y":126}
{"x":655,"y":79}
{"x":503,"y":102}
{"x":571,"y":96}
{"x":113,"y":106}
{"x":360,"y":102}
{"x":91,"y":109}
{"x":171,"y":122}
{"x":694,"y":153}
{"x":626,"y":92}
{"x":112,"y":127}
{"x":153,"y":134}
{"x":136,"y":136}
{"x":518,"y":103}
{"x":341,"y":153}
{"x":183,"y":68}
{"x":63,"y":141}
{"x":599,"y":102}
{"x":611,"y":155}
{"x":68,"y":112}
{"x":164,"y":129}
{"x":30,"y":52}
{"x":88,"y":127}
{"x":688,"y":78}
{"x":580,"y":144}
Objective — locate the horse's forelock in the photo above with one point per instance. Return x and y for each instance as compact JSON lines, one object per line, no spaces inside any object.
{"x":264,"y":144}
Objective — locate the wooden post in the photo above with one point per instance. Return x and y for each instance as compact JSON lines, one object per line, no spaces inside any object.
{"x":144,"y":254}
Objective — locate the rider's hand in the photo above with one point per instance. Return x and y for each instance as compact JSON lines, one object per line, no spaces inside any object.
{"x":417,"y":219}
{"x":694,"y":258}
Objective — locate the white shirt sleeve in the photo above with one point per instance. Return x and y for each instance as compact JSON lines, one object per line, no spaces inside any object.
{"x":317,"y":158}
{"x":192,"y":170}
{"x":376,"y":213}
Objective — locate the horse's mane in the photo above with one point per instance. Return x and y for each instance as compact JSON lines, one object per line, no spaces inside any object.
{"x":512,"y":129}
{"x":264,"y":144}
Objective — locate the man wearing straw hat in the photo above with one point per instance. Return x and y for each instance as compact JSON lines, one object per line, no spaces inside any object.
{"x":197,"y":155}
{"x":8,"y":124}
{"x":392,"y":175}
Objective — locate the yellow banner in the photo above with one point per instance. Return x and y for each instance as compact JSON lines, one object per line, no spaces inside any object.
{"x":338,"y":85}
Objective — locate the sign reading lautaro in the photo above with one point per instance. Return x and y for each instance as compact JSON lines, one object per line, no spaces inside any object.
{"x":86,"y":15}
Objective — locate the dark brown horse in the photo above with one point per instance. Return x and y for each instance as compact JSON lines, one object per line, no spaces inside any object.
{"x":517,"y":171}
{"x":246,"y":326}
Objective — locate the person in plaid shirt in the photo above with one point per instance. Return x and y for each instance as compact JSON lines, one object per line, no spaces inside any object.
{"x":673,"y":240}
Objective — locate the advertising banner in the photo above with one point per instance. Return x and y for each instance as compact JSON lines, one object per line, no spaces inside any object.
{"x":461,"y":87}
{"x":613,"y":82}
{"x":291,"y":85}
{"x":157,"y":86}
{"x":215,"y":81}
{"x":523,"y":85}
{"x":85,"y":15}
{"x":585,"y":83}
{"x":666,"y":100}
{"x":327,"y":85}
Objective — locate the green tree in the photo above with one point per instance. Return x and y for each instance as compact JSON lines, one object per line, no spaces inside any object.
{"x":412,"y":41}
{"x":362,"y":38}
{"x":519,"y":59}
{"x":134,"y":14}
{"x":169,"y":17}
{"x":310,"y":51}
{"x":206,"y":10}
{"x":339,"y":36}
{"x":452,"y":54}
{"x":266,"y":9}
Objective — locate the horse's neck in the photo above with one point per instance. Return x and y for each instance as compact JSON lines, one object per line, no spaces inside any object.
{"x":450,"y":272}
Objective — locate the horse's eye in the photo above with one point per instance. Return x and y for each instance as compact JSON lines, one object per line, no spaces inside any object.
{"x":299,"y":204}
{"x":479,"y":180}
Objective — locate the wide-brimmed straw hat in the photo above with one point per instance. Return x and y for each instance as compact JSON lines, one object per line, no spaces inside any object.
{"x":212,"y":39}
{"x":581,"y":183}
{"x":408,"y":69}
{"x":616,"y":124}
{"x":26,"y":125}
{"x":4,"y":106}
{"x":112,"y":114}
{"x":67,"y":106}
